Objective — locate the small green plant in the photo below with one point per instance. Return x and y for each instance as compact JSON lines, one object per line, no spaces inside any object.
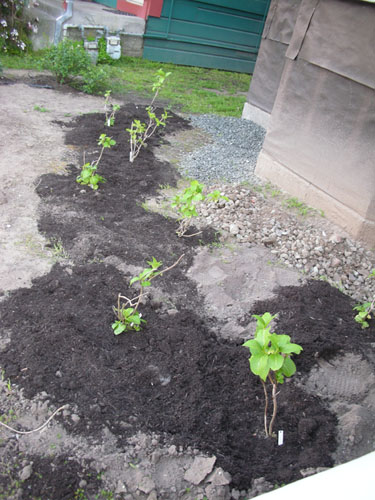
{"x":302,"y":208}
{"x":88,"y":175}
{"x":80,"y":494}
{"x":140,"y":132}
{"x":110,"y":109}
{"x":41,"y":109}
{"x":272,"y":190}
{"x":270,"y":360}
{"x":58,"y":250}
{"x":366,"y":311}
{"x":106,"y":494}
{"x":128,"y":316}
{"x":186,"y":205}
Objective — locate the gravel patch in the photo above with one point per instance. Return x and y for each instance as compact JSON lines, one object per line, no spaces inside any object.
{"x":309,"y":243}
{"x":232,"y":155}
{"x":257,"y":213}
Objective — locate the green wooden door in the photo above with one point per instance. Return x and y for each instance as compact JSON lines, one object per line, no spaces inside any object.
{"x":223,"y":34}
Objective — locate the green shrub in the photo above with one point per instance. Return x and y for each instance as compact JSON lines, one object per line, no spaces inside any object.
{"x":67,"y":60}
{"x":70,"y":63}
{"x":94,"y":80}
{"x":103,"y":57}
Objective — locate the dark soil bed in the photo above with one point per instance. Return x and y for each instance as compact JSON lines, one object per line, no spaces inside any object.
{"x":175,"y":377}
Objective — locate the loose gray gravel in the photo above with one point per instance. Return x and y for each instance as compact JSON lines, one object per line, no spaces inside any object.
{"x":232,"y":155}
{"x":257,"y":213}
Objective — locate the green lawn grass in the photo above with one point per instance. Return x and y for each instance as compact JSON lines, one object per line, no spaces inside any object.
{"x":188,"y":89}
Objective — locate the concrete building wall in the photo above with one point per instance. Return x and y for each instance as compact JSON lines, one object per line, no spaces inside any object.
{"x":320,"y":142}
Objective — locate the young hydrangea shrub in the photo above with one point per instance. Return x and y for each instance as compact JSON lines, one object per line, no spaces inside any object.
{"x":127,"y":314}
{"x":271,"y":361}
{"x":88,"y":175}
{"x":186,"y":205}
{"x":140,"y":132}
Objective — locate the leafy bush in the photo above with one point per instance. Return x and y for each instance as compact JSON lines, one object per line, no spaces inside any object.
{"x":14,"y":28}
{"x":66,"y":60}
{"x":70,"y":63}
{"x":94,"y":80}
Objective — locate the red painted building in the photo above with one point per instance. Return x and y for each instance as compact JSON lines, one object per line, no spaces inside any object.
{"x":140,"y":8}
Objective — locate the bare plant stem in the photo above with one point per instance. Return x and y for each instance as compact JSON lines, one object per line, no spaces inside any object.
{"x":265,"y":407}
{"x":269,"y":428}
{"x":183,"y":227}
{"x":274,"y":404}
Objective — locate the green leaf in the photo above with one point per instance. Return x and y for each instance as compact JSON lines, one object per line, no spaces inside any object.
{"x":289,"y":348}
{"x":282,"y":339}
{"x":288,"y":368}
{"x":118,"y":327}
{"x":154,"y":263}
{"x":254,"y":346}
{"x":265,"y":319}
{"x":259,"y":365}
{"x":279,"y":377}
{"x":275,"y":361}
{"x":263,"y":337}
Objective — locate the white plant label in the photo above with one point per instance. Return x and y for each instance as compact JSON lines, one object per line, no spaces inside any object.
{"x":280,"y":440}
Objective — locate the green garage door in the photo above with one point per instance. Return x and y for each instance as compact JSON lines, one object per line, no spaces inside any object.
{"x":223,"y":34}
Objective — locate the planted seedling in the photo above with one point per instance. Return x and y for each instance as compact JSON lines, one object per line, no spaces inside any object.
{"x":140,"y":132}
{"x":186,"y":205}
{"x":110,"y":109}
{"x":128,"y":316}
{"x":366,"y":310}
{"x":88,"y":175}
{"x":271,"y":361}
